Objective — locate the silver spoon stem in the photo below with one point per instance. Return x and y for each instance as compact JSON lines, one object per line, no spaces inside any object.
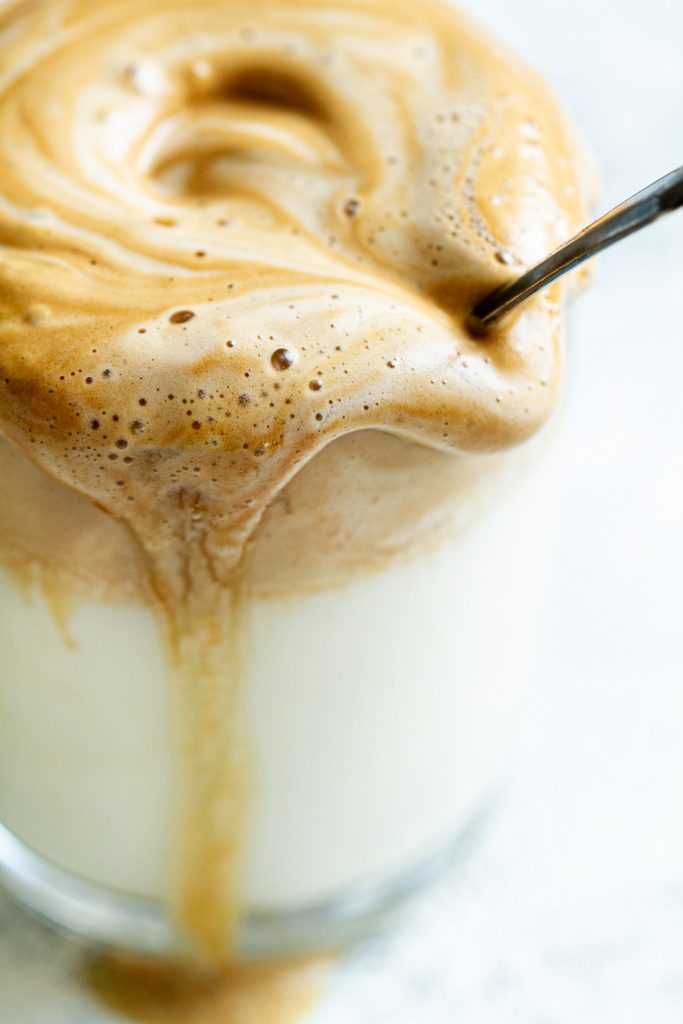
{"x":641,"y":209}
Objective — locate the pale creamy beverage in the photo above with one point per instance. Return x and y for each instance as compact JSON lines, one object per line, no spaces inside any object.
{"x":273,"y":524}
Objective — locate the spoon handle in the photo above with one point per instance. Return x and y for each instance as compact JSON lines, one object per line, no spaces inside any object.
{"x":641,"y":209}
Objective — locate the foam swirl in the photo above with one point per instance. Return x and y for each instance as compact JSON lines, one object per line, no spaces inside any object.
{"x":336,"y":180}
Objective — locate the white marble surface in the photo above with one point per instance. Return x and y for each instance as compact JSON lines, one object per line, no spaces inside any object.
{"x":571,"y":907}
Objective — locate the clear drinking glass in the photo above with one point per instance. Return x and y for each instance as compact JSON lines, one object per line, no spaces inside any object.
{"x":379,"y":687}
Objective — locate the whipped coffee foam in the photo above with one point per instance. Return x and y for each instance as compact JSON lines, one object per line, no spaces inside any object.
{"x":233,"y":233}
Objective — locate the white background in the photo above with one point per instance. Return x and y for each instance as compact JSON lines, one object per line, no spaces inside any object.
{"x":570,"y":910}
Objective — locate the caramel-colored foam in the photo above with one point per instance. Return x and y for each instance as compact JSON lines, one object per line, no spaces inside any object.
{"x":234,"y":232}
{"x":346,"y":512}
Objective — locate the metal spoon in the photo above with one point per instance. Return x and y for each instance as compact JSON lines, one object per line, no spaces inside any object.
{"x":641,"y":209}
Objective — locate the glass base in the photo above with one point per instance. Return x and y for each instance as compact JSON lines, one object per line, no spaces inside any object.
{"x":112,"y":920}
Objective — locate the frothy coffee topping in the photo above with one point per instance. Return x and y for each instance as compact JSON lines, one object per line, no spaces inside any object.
{"x":233,"y":232}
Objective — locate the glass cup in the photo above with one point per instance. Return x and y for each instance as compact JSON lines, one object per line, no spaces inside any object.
{"x":390,"y":603}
